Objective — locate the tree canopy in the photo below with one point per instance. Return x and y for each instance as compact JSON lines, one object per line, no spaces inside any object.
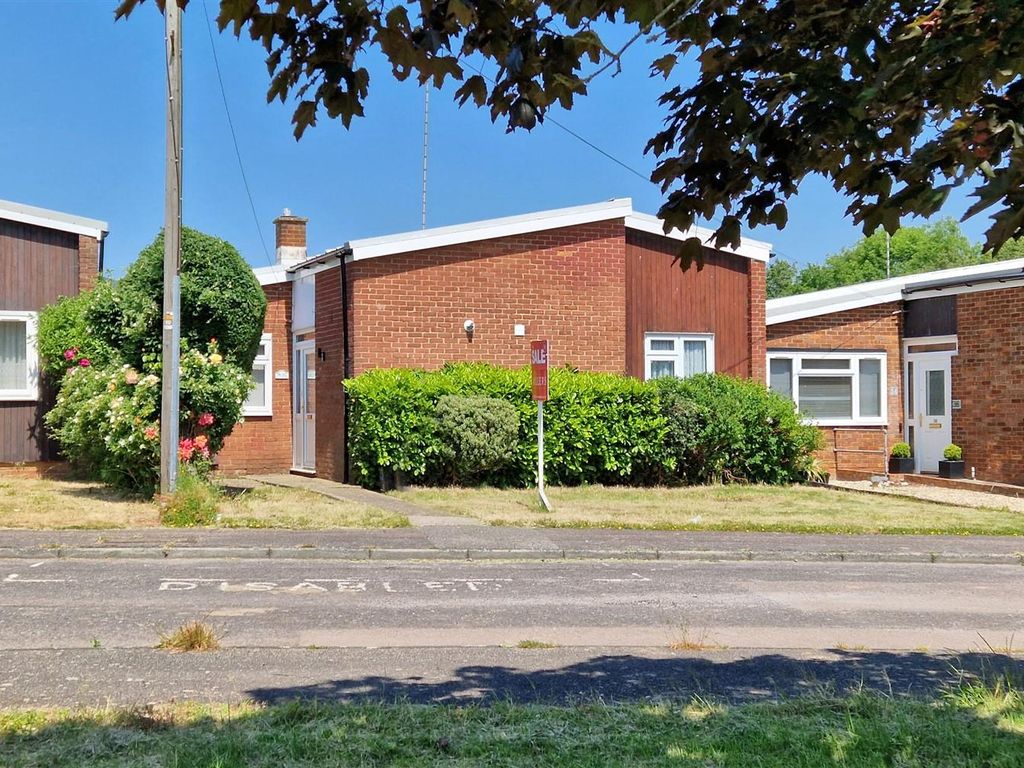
{"x":897,"y":103}
{"x":940,"y":245}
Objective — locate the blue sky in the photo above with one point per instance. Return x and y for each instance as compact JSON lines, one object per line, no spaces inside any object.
{"x":82,"y":131}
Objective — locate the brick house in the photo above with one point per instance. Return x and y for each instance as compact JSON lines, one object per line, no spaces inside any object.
{"x":43,"y":255}
{"x":929,"y":359}
{"x":598,"y":281}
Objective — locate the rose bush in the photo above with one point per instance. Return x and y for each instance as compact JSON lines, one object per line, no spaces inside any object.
{"x":103,"y":348}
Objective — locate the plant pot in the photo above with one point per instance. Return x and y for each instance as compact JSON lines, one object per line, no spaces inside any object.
{"x":901,"y":466}
{"x":954,"y":470}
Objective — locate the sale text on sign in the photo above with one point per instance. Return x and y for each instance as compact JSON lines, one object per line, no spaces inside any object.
{"x":539,"y":368}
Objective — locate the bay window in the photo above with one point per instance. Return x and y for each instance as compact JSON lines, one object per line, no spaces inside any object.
{"x":831,"y":388}
{"x":19,"y":361}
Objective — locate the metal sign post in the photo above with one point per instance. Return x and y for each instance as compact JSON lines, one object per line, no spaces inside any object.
{"x":539,"y":369}
{"x":169,"y":361}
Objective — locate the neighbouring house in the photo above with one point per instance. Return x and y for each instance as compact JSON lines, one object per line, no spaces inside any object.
{"x":43,"y":255}
{"x":930,"y":359}
{"x":598,"y":281}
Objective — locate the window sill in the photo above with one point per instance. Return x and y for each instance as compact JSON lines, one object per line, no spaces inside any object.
{"x":256,"y":412}
{"x":18,"y":397}
{"x":847,"y":423}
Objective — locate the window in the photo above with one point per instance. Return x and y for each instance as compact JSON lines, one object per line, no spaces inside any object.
{"x":19,"y":361}
{"x":678,"y":354}
{"x":260,"y":401}
{"x":832,"y":388}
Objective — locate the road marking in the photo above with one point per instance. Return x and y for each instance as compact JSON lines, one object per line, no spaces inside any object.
{"x":343,"y":585}
{"x":634,"y":578}
{"x":16,"y":579}
{"x":36,"y":565}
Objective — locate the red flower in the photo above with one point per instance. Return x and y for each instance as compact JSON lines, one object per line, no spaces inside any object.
{"x":84,"y":362}
{"x":186,"y":447}
{"x":71,"y":354}
{"x":151,"y":432}
{"x":205,"y":419}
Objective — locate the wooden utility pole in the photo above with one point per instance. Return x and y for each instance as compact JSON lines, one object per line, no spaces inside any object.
{"x":169,"y":405}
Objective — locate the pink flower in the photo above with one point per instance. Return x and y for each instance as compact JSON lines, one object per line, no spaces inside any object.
{"x":131,"y":377}
{"x":186,"y":447}
{"x":71,"y":354}
{"x":151,"y":433}
{"x":84,"y":362}
{"x":205,"y":419}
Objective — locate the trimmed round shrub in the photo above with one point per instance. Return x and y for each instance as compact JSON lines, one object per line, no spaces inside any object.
{"x":900,"y":450}
{"x":479,"y":437}
{"x":220,"y":299}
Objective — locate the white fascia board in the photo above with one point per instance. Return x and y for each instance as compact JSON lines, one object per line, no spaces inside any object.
{"x":509,"y":226}
{"x":751,"y":249}
{"x":41,"y":217}
{"x":954,"y":290}
{"x":271,"y":275}
{"x":833,"y":300}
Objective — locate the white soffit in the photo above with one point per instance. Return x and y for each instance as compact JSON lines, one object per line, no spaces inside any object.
{"x":41,"y":217}
{"x":751,"y":249}
{"x":271,"y":275}
{"x":833,"y":300}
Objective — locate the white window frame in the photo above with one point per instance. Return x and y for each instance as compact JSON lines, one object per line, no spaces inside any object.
{"x":29,"y":392}
{"x":676,"y":355}
{"x":853,"y":373}
{"x":267,"y":361}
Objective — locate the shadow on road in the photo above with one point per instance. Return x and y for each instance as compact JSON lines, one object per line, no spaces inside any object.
{"x":632,"y":678}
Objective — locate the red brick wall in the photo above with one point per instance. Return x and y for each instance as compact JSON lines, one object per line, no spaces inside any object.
{"x":867,"y":328}
{"x":987,"y":377}
{"x":88,"y":262}
{"x":758,"y":294}
{"x":330,"y":401}
{"x":264,"y":443}
{"x":566,"y":285}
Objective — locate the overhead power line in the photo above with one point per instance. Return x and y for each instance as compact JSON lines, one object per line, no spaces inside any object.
{"x":234,"y":138}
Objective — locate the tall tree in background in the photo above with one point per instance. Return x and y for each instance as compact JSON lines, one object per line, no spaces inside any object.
{"x":940,"y":245}
{"x":895,"y":102}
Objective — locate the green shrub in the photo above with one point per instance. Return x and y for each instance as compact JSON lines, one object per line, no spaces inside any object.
{"x":479,"y":437}
{"x":105,"y":346}
{"x":900,"y":451}
{"x":737,"y":430}
{"x":195,"y":502}
{"x":599,"y":428}
{"x":64,"y":329}
{"x":220,"y":299}
{"x":953,"y":452}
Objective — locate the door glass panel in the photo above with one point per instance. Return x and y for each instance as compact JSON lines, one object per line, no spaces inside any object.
{"x":827,"y":397}
{"x":781,"y":379}
{"x":870,"y":387}
{"x":310,"y":382}
{"x":935,"y":395}
{"x":911,"y":386}
{"x":660,"y":368}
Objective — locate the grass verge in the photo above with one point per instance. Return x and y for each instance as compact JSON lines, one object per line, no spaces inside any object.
{"x":64,"y":504}
{"x":974,"y":727}
{"x":792,"y":509}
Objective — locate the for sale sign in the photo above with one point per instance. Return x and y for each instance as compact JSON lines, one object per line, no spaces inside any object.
{"x":539,"y":366}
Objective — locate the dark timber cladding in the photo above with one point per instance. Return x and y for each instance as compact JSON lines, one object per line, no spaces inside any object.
{"x":930,"y":317}
{"x":37,"y":266}
{"x":661,"y":297}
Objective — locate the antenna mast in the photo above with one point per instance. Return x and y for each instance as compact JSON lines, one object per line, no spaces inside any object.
{"x":426,"y":135}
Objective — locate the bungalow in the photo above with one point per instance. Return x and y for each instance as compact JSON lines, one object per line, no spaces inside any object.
{"x":598,"y":281}
{"x":43,"y":255}
{"x":929,"y":359}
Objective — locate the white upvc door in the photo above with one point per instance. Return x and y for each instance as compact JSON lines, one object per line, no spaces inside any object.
{"x":304,"y":407}
{"x":929,"y":423}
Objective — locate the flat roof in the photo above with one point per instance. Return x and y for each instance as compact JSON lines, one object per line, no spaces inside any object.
{"x":43,"y":217}
{"x":816,"y":303}
{"x":508,"y":226}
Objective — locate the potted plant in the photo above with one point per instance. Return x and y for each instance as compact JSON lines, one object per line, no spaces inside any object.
{"x":901,"y":462}
{"x":953,"y":466}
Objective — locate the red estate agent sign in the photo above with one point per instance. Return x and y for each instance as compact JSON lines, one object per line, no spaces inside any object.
{"x":539,"y":366}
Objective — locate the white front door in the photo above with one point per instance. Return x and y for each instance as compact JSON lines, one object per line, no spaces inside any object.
{"x":304,"y":410}
{"x":929,"y":425}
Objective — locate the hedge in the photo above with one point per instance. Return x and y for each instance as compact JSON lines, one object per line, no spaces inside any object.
{"x":599,"y":428}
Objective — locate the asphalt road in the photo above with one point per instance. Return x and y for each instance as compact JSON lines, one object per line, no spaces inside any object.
{"x":82,"y":631}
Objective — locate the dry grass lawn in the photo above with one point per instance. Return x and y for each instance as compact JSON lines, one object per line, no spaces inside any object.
{"x":795,"y":509}
{"x":57,"y":504}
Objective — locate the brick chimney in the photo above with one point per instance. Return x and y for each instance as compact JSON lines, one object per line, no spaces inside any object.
{"x":290,"y":234}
